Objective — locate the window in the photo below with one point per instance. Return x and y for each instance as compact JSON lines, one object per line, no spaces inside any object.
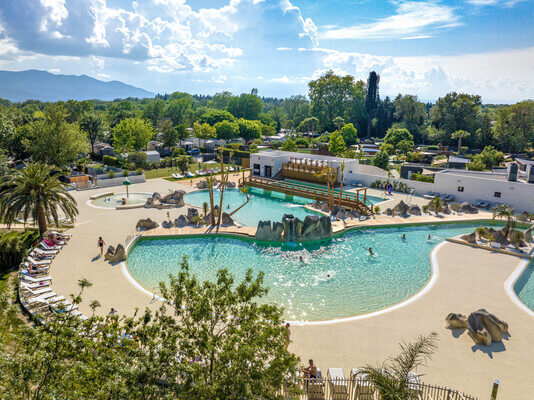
{"x":256,"y":170}
{"x":460,"y":188}
{"x":497,"y":194}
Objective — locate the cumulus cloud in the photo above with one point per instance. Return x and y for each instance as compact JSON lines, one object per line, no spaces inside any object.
{"x":413,"y":18}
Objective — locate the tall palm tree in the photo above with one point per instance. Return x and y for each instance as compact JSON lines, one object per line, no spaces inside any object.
{"x":35,"y":192}
{"x":460,"y":135}
{"x":437,"y":204}
{"x":392,"y":379}
{"x":507,"y":212}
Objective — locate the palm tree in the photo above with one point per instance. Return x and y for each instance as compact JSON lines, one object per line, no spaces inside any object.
{"x":437,"y":204}
{"x":342,"y":171}
{"x":392,"y":379}
{"x":505,"y":211}
{"x":210,"y":182}
{"x":517,"y":238}
{"x":36,"y":192}
{"x":460,"y":135}
{"x":224,"y":180}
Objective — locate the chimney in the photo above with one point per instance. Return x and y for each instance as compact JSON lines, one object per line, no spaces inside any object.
{"x":512,"y":172}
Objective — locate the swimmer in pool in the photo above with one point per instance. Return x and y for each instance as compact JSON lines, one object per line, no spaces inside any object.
{"x":370,"y":250}
{"x":301,"y":259}
{"x":429,"y":238}
{"x":328,"y":276}
{"x":403,"y":236}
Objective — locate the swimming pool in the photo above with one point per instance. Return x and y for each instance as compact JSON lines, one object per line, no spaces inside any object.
{"x":115,"y":200}
{"x":524,"y":286}
{"x":337,"y":278}
{"x":260,"y":207}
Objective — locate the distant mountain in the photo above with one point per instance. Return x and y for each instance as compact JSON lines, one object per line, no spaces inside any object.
{"x":44,"y":86}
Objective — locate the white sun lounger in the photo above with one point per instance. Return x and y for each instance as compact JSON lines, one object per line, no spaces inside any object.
{"x":38,"y":262}
{"x":360,"y":386}
{"x":66,"y":236}
{"x":45,"y":252}
{"x":337,"y":383}
{"x":46,"y":300}
{"x":36,"y":285}
{"x":47,"y":247}
{"x":32,"y":288}
{"x":31,"y":279}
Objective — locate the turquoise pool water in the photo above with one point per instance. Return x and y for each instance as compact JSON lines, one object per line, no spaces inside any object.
{"x":337,"y":278}
{"x":260,"y":207}
{"x":524,"y":286}
{"x":115,"y":200}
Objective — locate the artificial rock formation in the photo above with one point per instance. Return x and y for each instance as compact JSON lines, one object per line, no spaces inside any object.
{"x":470,"y":238}
{"x":468,"y":208}
{"x":292,"y":229}
{"x":415,"y":210}
{"x":167,"y":224}
{"x":191,"y":213}
{"x":484,"y":327}
{"x":181,"y":221}
{"x":401,"y":208}
{"x":528,"y":234}
{"x":226,"y":220}
{"x":146,"y":224}
{"x":175,"y":199}
{"x":115,"y":255}
{"x":389,"y":212}
{"x":456,"y":321}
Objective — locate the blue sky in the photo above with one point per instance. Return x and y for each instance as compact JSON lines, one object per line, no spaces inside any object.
{"x":421,"y":47}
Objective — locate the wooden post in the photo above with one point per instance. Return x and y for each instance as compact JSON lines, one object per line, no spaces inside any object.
{"x":495,"y":390}
{"x":364,"y":196}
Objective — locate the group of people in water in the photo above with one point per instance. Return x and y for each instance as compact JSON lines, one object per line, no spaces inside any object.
{"x":403,"y":237}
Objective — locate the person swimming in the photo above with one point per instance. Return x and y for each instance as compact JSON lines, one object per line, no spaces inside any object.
{"x":429,"y":238}
{"x":370,"y":250}
{"x":301,"y":259}
{"x":403,"y":236}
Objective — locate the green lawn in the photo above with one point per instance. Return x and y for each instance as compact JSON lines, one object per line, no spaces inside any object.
{"x":167,"y":172}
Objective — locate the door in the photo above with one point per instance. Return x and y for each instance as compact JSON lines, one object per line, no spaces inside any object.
{"x":268,"y":171}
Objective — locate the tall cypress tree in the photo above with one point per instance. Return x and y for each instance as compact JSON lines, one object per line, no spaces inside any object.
{"x":371,"y":99}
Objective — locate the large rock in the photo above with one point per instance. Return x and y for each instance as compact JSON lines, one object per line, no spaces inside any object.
{"x":231,"y":185}
{"x":167,"y":224}
{"x":401,"y":208}
{"x":528,"y":234}
{"x":498,"y":235}
{"x":389,"y":212}
{"x":176,"y":198}
{"x":415,"y":210}
{"x":485,"y":327}
{"x":342,"y":214}
{"x":468,"y":208}
{"x":109,"y":253}
{"x":268,"y":232}
{"x":315,"y":228}
{"x":146,"y":224}
{"x":181,"y":221}
{"x":470,"y":238}
{"x":120,"y":255}
{"x":226,"y":220}
{"x":191,"y":213}
{"x":202,"y":184}
{"x":292,"y":227}
{"x":456,"y":321}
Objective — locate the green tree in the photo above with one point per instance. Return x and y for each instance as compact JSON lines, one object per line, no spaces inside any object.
{"x":154,"y":111}
{"x":484,"y":135}
{"x":213,"y":116}
{"x":132,"y":134}
{"x":505,"y":211}
{"x":411,"y":114}
{"x":12,"y":138}
{"x":289,"y":145}
{"x":178,"y":110}
{"x":297,"y":109}
{"x":309,"y":125}
{"x":371,"y":99}
{"x":339,"y":122}
{"x":249,"y":130}
{"x":491,"y":157}
{"x":381,"y":160}
{"x":181,"y":132}
{"x":220,"y":100}
{"x":331,"y":96}
{"x":203,"y":131}
{"x":169,"y":133}
{"x":514,"y":127}
{"x":52,"y":140}
{"x":226,"y":130}
{"x":119,"y":111}
{"x":93,"y":125}
{"x":246,"y":106}
{"x":397,"y":135}
{"x":349,"y":133}
{"x":183,"y":163}
{"x":35,"y":192}
{"x":460,"y":135}
{"x":405,"y":146}
{"x":336,"y":144}
{"x":392,"y":379}
{"x":387,"y":148}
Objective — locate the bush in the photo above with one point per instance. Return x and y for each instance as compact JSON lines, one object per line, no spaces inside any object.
{"x":111,"y":174}
{"x":139,"y":171}
{"x":13,"y":247}
{"x":178,"y":151}
{"x":111,"y":161}
{"x":138,"y":159}
{"x":421,"y":178}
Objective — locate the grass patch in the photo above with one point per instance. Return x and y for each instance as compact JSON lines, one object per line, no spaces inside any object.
{"x":167,"y":172}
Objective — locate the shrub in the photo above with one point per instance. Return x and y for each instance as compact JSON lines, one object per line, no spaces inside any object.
{"x":138,"y":159}
{"x":126,"y":173}
{"x":377,"y":209}
{"x":178,"y":151}
{"x":13,"y":247}
{"x":111,"y":161}
{"x":421,"y":178}
{"x":111,"y":174}
{"x":139,"y":171}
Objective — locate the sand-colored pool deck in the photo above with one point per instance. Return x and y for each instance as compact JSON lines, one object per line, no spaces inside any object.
{"x":467,"y":279}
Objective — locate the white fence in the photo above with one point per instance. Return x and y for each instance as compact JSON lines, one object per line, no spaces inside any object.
{"x":100,"y":183}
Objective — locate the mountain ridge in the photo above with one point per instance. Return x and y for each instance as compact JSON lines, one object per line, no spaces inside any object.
{"x":41,"y":85}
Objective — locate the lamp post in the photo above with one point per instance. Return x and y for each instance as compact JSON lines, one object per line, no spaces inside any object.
{"x":127,"y":183}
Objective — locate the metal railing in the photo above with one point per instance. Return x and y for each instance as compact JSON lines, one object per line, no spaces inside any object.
{"x":361,"y":389}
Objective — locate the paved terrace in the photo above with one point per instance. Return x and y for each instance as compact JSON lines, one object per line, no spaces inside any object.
{"x":468,"y":279}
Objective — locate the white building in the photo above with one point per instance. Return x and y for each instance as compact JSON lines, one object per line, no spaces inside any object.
{"x":495,"y":187}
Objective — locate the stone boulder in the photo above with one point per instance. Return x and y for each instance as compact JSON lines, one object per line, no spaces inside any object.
{"x":292,"y":227}
{"x":498,"y":235}
{"x":191,"y":213}
{"x":415,"y":210}
{"x":120,"y":255}
{"x":468,"y":208}
{"x":528,"y":234}
{"x":167,"y":224}
{"x":181,"y":221}
{"x":226,"y":220}
{"x":231,"y":185}
{"x":401,"y":208}
{"x":342,"y":213}
{"x":485,"y":327}
{"x":202,"y":184}
{"x":268,"y":232}
{"x":325,"y":207}
{"x":456,"y":321}
{"x":446,"y":209}
{"x":146,"y":224}
{"x":176,"y":198}
{"x":389,"y":212}
{"x":470,"y":238}
{"x":109,"y":253}
{"x":315,"y":228}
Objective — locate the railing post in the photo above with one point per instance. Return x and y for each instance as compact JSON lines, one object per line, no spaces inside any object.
{"x":494,"y":390}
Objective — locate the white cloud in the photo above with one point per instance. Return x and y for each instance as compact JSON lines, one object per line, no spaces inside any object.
{"x":506,"y":3}
{"x":413,"y":18}
{"x":284,"y":49}
{"x":103,"y":76}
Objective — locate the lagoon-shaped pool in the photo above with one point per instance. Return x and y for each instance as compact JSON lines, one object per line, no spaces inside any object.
{"x":260,"y":207}
{"x":337,"y":278}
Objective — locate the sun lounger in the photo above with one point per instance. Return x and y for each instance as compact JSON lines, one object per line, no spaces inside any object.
{"x":315,"y":387}
{"x":62,"y":235}
{"x":360,"y":386}
{"x":430,"y":195}
{"x":31,"y":279}
{"x":33,"y":289}
{"x":45,"y":252}
{"x":449,"y":197}
{"x":38,"y":262}
{"x":36,"y":255}
{"x":46,"y":300}
{"x":37,"y":285}
{"x":63,"y":307}
{"x":337,"y":384}
{"x":49,"y":247}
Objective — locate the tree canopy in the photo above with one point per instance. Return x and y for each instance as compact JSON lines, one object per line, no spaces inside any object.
{"x":132,"y":134}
